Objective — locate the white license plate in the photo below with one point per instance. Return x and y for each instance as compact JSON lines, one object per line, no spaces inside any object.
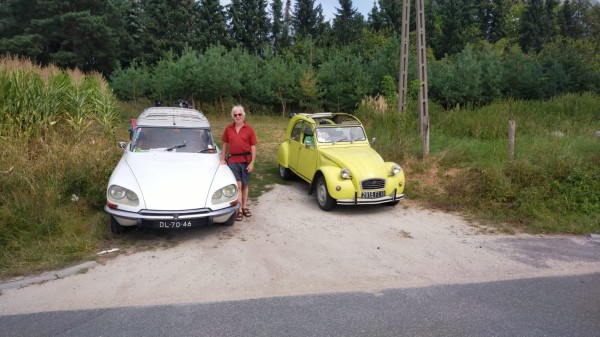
{"x":373,"y":195}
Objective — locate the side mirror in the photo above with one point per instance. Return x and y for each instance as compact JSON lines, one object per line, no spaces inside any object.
{"x":123,"y":145}
{"x":373,"y":140}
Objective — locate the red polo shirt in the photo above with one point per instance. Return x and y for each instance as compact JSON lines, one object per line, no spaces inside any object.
{"x":239,"y":142}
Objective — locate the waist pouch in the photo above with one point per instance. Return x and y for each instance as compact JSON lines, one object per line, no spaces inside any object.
{"x":247,"y":156}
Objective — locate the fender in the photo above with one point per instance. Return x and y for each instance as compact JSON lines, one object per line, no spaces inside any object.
{"x":283,"y":154}
{"x":333,"y":179}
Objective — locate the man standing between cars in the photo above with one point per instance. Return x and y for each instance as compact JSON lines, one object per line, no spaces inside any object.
{"x":239,"y":153}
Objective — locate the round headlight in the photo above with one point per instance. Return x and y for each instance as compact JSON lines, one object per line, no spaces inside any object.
{"x":396,"y":169}
{"x":117,"y":192}
{"x":229,"y":191}
{"x":131,"y":196}
{"x":218,"y":193}
{"x":345,"y":173}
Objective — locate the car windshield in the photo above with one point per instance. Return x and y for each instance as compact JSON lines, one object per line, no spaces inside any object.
{"x":346,"y":133}
{"x":172,"y":139}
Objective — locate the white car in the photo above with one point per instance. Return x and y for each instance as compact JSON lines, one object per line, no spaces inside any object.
{"x":170,"y":175}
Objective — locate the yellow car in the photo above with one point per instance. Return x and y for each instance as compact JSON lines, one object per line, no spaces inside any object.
{"x":332,"y":153}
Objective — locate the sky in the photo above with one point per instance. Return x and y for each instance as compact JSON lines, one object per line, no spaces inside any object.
{"x":329,"y":6}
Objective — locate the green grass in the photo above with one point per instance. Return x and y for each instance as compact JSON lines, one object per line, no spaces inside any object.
{"x":551,"y":186}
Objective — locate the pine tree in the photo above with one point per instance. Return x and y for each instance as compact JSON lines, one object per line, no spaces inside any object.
{"x":375,"y":20}
{"x":249,"y":24}
{"x":391,"y":15}
{"x":210,"y":26}
{"x":537,"y":25}
{"x":459,"y":25}
{"x":167,"y":25}
{"x":308,"y":20}
{"x":279,"y":30}
{"x":347,"y":23}
{"x":88,"y":35}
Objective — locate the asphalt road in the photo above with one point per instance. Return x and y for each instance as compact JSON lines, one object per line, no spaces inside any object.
{"x":547,"y":306}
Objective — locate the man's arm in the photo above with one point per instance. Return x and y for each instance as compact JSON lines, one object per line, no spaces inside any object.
{"x":224,"y":153}
{"x":253,"y":152}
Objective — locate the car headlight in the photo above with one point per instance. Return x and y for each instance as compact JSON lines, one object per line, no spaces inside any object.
{"x":396,"y":169}
{"x":121,"y":195}
{"x":224,"y":194}
{"x":229,"y":191}
{"x":345,"y":173}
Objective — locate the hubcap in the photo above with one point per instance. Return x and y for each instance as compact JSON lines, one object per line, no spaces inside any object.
{"x":322,"y":193}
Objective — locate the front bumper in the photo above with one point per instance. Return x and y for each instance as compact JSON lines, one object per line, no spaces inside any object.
{"x":362,"y":201}
{"x":151,"y":218}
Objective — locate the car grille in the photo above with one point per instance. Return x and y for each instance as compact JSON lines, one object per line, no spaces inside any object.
{"x":181,"y":212}
{"x":372,"y":184}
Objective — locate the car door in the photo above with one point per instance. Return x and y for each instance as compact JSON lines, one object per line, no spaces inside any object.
{"x":295,"y":145}
{"x":307,"y":154}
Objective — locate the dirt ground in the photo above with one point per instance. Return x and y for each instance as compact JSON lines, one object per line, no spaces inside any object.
{"x":290,"y":247}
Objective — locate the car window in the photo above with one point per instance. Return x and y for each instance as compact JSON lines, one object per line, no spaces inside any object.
{"x":345,"y":133}
{"x":296,"y":131}
{"x":175,"y":139}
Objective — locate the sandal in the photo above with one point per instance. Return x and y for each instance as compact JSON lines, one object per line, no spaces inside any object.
{"x":246,"y":212}
{"x":239,"y":216}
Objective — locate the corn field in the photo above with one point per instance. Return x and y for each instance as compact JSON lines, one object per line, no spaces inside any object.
{"x":34,"y":99}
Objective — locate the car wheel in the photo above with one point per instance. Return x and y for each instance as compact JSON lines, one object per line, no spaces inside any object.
{"x":229,"y":221}
{"x":325,"y":201}
{"x":115,"y":227}
{"x":284,"y":172}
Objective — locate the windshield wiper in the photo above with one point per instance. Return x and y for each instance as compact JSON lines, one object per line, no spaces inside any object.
{"x":175,"y":147}
{"x":208,"y":149}
{"x":340,"y":140}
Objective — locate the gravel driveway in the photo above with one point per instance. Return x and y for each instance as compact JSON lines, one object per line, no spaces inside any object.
{"x":290,"y":247}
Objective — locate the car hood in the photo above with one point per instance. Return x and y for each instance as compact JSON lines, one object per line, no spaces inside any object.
{"x":362,"y":161}
{"x":171,"y":181}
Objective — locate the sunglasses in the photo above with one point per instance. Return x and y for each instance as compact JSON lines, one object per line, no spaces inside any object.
{"x":237,"y":115}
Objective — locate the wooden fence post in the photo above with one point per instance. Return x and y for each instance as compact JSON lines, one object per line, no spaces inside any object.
{"x":511,"y":139}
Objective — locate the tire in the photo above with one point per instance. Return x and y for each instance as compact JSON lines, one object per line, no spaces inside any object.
{"x":285,"y":173}
{"x":229,"y":221}
{"x":115,"y":227}
{"x":324,"y":200}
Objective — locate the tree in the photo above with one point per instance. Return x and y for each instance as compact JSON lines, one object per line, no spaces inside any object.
{"x":375,"y":19}
{"x":308,"y":21}
{"x":537,"y":25}
{"x":391,"y":15}
{"x":88,"y":35}
{"x":343,"y":82}
{"x":492,"y":14}
{"x":283,"y":75}
{"x":459,"y":25}
{"x":167,"y":26}
{"x":249,"y":24}
{"x":210,"y":26}
{"x":280,"y":38}
{"x":347,"y":24}
{"x":572,"y":18}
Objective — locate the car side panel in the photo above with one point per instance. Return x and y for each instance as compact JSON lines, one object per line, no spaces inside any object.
{"x":308,"y":163}
{"x":294,"y":148}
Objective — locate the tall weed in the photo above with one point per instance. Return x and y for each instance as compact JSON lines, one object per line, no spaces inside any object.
{"x":552,"y":185}
{"x":57,"y":151}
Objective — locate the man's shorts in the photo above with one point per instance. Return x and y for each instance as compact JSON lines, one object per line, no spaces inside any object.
{"x":240,"y":173}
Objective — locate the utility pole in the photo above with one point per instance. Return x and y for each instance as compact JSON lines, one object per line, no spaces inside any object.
{"x":421,"y":68}
{"x":403,"y":78}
